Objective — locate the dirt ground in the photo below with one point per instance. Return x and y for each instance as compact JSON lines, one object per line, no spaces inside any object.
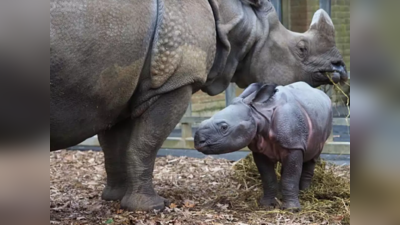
{"x":202,"y":191}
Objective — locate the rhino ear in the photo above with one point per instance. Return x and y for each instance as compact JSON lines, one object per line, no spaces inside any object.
{"x":256,"y":3}
{"x":250,"y":89}
{"x":265,"y":93}
{"x":322,"y":21}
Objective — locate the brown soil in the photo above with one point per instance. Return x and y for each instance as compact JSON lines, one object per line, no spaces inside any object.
{"x":202,"y":191}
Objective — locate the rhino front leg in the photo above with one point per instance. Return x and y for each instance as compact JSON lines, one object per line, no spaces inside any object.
{"x":307,"y":174}
{"x":269,"y":180}
{"x":290,"y":181}
{"x":149,"y":131}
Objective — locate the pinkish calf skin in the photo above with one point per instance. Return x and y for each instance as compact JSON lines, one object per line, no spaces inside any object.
{"x":289,"y":124}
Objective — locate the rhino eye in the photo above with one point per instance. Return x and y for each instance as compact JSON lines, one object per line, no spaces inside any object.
{"x":224,"y":126}
{"x":302,"y":49}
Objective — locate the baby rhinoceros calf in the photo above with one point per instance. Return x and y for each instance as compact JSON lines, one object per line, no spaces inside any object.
{"x":289,"y":124}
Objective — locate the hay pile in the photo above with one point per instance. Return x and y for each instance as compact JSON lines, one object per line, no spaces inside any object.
{"x":327,"y":200}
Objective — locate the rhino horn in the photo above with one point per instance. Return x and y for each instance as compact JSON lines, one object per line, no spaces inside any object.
{"x":322,"y":22}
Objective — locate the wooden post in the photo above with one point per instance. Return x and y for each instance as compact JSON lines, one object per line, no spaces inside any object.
{"x":278,"y":8}
{"x":189,"y":109}
{"x":286,"y":13}
{"x":187,"y":127}
{"x":186,"y":130}
{"x":330,"y":138}
{"x":326,"y":5}
{"x":230,"y":94}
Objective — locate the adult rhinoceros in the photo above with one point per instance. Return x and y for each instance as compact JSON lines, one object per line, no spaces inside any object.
{"x":126,"y":70}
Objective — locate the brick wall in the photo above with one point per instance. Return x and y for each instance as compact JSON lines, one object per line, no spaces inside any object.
{"x":205,"y":105}
{"x":298,"y":15}
{"x":341,"y":19}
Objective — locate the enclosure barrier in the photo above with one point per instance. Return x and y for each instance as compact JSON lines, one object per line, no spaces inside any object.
{"x":186,"y":139}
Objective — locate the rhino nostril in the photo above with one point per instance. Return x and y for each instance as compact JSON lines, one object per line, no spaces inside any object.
{"x":339,"y":67}
{"x":338,"y":63}
{"x":199,"y":139}
{"x":200,"y":143}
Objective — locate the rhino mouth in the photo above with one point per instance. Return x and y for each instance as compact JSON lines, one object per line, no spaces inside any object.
{"x":202,"y":143}
{"x":206,"y":148}
{"x":334,"y":75}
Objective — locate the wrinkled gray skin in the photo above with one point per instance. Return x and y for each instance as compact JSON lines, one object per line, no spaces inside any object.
{"x":126,"y":70}
{"x":290,"y":125}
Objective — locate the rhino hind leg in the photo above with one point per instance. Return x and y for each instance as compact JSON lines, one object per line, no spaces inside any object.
{"x":114,"y":142}
{"x":291,"y":174}
{"x":145,"y":135}
{"x":269,"y":180}
{"x":307,"y":174}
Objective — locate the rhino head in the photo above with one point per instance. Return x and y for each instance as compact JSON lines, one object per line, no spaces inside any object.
{"x":253,"y":46}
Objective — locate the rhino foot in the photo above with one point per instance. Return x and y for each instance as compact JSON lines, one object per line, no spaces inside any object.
{"x":292,"y":206}
{"x":304,"y":185}
{"x":269,"y":203}
{"x":143,"y":202}
{"x":113,"y":193}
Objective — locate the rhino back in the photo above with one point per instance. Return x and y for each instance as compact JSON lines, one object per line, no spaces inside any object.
{"x":185,"y":41}
{"x":316,"y":109}
{"x":97,"y":52}
{"x":302,"y":119}
{"x":315,"y":103}
{"x":183,"y":51}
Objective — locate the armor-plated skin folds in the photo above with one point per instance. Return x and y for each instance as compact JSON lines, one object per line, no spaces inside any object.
{"x":289,"y":124}
{"x":125,"y":70}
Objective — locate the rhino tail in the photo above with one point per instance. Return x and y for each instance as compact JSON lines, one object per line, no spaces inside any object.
{"x":265,"y":93}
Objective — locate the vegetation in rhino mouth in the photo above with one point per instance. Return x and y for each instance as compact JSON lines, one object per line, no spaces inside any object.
{"x":337,"y":88}
{"x":327,"y":200}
